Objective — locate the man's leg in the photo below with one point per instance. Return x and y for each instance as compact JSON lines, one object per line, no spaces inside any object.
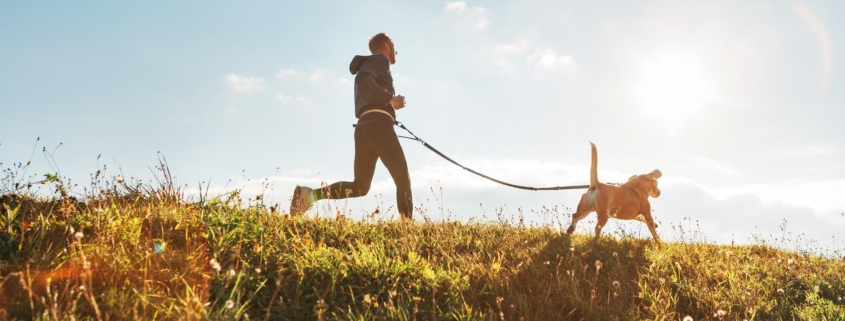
{"x":386,"y":144}
{"x":365,"y":166}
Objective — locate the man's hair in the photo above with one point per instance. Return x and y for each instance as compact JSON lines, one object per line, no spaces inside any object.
{"x":377,"y":42}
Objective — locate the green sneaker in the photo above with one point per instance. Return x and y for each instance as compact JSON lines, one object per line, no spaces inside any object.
{"x":301,"y":201}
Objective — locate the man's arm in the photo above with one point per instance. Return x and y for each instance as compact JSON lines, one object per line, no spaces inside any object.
{"x":365,"y":80}
{"x":371,"y":90}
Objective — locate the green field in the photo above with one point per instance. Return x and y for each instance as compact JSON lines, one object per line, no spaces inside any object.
{"x":143,"y":251}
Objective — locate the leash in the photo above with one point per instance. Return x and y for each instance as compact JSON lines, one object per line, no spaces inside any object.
{"x":553,"y":188}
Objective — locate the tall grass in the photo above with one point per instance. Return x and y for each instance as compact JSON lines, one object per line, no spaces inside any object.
{"x":129,"y":250}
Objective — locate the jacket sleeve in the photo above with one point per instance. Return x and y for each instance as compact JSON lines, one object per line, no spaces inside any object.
{"x":365,"y":80}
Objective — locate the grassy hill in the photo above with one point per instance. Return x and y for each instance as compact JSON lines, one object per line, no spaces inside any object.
{"x":140,"y":252}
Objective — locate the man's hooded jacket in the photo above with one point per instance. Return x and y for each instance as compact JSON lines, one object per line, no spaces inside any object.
{"x":373,"y":84}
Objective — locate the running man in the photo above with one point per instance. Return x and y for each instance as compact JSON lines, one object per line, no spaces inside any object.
{"x":376,"y":104}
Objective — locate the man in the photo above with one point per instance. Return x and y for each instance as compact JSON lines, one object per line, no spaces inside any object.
{"x":375,"y":107}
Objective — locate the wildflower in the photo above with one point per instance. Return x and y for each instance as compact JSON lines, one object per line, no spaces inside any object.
{"x":82,"y":287}
{"x":230,"y":304}
{"x":789,"y":261}
{"x":614,"y":254}
{"x":662,"y":280}
{"x":120,"y":179}
{"x":688,"y":318}
{"x":780,"y":291}
{"x":598,"y":265}
{"x":572,"y":249}
{"x":616,"y":284}
{"x":258,"y":270}
{"x":86,"y":265}
{"x":321,"y":305}
{"x":78,"y":235}
{"x":721,"y":313}
{"x":215,"y":265}
{"x":231,"y":272}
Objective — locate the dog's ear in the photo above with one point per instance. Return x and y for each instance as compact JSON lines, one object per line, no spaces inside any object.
{"x":655,"y":174}
{"x":633,"y":177}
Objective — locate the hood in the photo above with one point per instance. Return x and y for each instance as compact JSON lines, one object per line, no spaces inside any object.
{"x":356,"y":63}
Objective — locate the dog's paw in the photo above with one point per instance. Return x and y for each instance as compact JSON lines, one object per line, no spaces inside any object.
{"x":570,"y":230}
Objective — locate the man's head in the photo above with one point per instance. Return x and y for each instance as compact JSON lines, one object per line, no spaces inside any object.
{"x":381,"y":44}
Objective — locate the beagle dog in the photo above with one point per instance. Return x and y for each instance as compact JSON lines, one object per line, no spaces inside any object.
{"x":628,"y":201}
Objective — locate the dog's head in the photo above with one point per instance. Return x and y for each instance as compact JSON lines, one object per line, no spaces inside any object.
{"x":648,"y":181}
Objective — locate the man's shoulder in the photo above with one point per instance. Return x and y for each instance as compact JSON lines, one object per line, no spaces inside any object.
{"x":377,"y":62}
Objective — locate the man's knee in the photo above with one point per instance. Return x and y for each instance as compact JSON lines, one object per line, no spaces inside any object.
{"x":361,"y":189}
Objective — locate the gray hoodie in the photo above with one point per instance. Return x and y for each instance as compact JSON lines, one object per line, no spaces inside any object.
{"x":373,"y":84}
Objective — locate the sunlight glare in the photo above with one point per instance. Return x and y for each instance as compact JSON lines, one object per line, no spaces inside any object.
{"x":672,"y":88}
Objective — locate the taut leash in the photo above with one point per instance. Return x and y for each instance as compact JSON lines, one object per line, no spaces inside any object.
{"x":553,"y":188}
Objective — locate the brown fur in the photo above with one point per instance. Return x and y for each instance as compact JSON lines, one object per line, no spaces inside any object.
{"x":626,"y":202}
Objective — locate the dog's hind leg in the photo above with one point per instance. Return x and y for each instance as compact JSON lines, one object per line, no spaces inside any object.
{"x":585,"y":207}
{"x":602,"y":221}
{"x":579,"y":215}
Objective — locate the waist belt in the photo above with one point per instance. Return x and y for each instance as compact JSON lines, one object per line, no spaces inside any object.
{"x":379,"y":111}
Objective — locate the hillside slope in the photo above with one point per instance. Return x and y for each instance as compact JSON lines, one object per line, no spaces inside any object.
{"x":144,"y":255}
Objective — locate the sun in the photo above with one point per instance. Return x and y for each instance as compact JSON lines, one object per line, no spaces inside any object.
{"x":672,"y":88}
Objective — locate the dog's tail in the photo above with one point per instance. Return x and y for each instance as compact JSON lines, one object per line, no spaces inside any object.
{"x":594,"y":176}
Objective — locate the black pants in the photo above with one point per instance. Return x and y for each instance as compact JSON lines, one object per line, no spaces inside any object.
{"x":376,"y":140}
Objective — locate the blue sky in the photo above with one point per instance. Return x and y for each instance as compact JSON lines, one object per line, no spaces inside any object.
{"x":738,"y":103}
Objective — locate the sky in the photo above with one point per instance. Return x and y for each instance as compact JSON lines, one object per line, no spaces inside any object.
{"x":738,"y":103}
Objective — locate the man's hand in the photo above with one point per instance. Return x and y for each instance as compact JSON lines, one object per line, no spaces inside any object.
{"x":398,"y":102}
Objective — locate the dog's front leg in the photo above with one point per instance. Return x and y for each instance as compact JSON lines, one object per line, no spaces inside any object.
{"x":649,"y":221}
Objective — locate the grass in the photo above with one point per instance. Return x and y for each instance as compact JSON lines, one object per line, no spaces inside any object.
{"x":142,"y":251}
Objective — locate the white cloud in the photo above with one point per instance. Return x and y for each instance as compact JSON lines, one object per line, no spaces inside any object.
{"x":456,"y":6}
{"x":288,"y":74}
{"x":512,"y":55}
{"x":245,"y":84}
{"x":548,"y":59}
{"x":473,"y":16}
{"x":503,"y":55}
{"x":283,"y":98}
{"x":344,"y":80}
{"x":299,"y":100}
